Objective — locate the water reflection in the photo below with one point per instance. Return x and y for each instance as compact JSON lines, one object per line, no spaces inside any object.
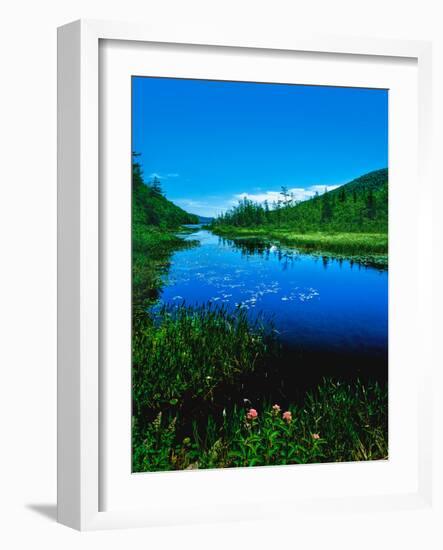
{"x":320,"y":303}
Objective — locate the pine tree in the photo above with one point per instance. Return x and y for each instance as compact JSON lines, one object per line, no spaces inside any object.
{"x":267,"y":216}
{"x":326,"y":208}
{"x":285,"y":192}
{"x":370,"y":205}
{"x":155,"y":185}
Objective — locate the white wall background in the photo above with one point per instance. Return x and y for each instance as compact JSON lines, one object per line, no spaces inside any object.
{"x":28,"y":251}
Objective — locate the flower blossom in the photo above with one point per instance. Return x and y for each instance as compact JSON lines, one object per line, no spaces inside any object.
{"x":276,"y":408}
{"x":252,"y":414}
{"x":287,"y":415}
{"x":315,"y":436}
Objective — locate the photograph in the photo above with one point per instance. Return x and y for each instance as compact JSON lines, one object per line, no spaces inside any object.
{"x":259,"y":274}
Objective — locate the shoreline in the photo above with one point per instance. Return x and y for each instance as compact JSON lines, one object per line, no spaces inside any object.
{"x":370,"y":249}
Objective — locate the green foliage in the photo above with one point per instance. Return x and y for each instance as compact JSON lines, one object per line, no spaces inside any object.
{"x":348,"y":244}
{"x":360,"y":206}
{"x":155,"y":220}
{"x":151,"y":208}
{"x":185,"y":354}
{"x":337,"y":422}
{"x":271,"y":440}
{"x":187,"y":363}
{"x":154,"y":452}
{"x":151,"y":251}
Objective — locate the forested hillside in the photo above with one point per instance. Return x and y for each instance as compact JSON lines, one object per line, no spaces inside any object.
{"x":155,"y":221}
{"x":359,"y":206}
{"x":151,"y":208}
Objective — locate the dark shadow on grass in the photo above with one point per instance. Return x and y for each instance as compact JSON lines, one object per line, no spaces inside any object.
{"x":48,"y":511}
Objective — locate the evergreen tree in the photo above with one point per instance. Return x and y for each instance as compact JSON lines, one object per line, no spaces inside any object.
{"x":359,"y":206}
{"x":267,"y":216}
{"x":150,"y":207}
{"x":370,"y":205}
{"x":326,"y":208}
{"x":285,"y":192}
{"x":155,"y":185}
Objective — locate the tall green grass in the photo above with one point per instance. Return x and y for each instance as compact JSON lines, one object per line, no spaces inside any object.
{"x":182,"y":354}
{"x":343,"y":243}
{"x":152,"y":249}
{"x":188,"y":367}
{"x":336,"y":423}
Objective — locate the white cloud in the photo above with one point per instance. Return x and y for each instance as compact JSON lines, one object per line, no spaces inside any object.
{"x":164,"y":176}
{"x":204,"y":208}
{"x":269,"y":196}
{"x":298,"y":193}
{"x":321,"y":188}
{"x":215,"y":205}
{"x":189,"y":203}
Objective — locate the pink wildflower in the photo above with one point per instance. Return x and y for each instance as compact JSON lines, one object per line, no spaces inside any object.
{"x":276,"y":408}
{"x":315,"y":436}
{"x":252,"y":414}
{"x":287,"y":416}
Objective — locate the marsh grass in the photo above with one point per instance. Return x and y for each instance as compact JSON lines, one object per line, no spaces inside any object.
{"x":152,"y":248}
{"x":183,"y":354}
{"x":345,"y":244}
{"x":191,"y":366}
{"x":336,"y":423}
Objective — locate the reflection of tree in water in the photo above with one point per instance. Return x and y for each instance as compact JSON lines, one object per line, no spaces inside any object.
{"x":248,"y":247}
{"x":255,"y":246}
{"x":262,"y":248}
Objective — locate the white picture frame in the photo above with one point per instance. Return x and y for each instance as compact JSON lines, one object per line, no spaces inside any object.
{"x":79,"y":270}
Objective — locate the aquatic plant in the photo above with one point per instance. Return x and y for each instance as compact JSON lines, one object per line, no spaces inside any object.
{"x":337,"y":422}
{"x":189,"y":363}
{"x":341,"y":244}
{"x":183,"y":354}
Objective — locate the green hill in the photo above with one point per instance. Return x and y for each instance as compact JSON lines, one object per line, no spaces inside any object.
{"x":155,"y":221}
{"x":151,"y":208}
{"x":360,"y":206}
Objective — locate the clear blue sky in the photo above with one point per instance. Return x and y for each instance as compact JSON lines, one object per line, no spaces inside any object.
{"x":212,"y":142}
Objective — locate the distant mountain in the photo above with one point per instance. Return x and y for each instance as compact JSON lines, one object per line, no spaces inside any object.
{"x":204,"y":219}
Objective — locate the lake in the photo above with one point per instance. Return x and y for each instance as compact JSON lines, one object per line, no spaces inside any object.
{"x":331,"y":314}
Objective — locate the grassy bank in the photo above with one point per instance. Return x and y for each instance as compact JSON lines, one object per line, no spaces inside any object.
{"x":182,"y":355}
{"x":152,"y":249}
{"x":366,"y":248}
{"x":350,"y":243}
{"x":192,"y":369}
{"x":336,"y":423}
{"x":202,"y":377}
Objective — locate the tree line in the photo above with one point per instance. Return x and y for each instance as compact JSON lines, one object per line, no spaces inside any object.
{"x":149,"y":205}
{"x":359,"y":206}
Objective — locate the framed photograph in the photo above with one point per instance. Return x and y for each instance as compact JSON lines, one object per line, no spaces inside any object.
{"x":243,"y":290}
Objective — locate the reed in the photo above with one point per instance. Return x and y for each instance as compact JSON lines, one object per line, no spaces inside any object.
{"x":189,"y":364}
{"x":344,"y":243}
{"x":336,"y":423}
{"x":183,"y":353}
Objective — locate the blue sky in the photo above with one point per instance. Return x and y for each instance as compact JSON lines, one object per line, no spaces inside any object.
{"x":213,"y":142}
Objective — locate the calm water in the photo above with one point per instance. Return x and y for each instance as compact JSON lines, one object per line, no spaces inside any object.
{"x":333,"y":314}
